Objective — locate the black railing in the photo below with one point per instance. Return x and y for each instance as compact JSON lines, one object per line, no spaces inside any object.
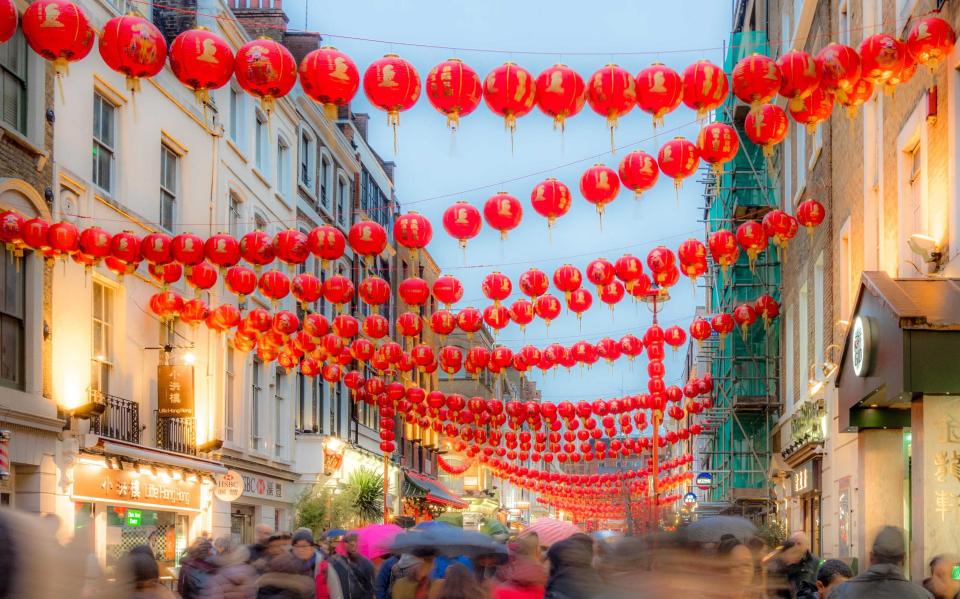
{"x":120,"y":419}
{"x":177,"y":434}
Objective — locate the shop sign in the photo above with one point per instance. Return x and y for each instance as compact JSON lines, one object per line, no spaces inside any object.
{"x":228,"y":486}
{"x":175,"y":391}
{"x":690,"y":499}
{"x":101,"y":484}
{"x":805,"y":479}
{"x":332,"y":458}
{"x":806,"y":424}
{"x":861,"y":345}
{"x":260,"y":486}
{"x":704,"y":481}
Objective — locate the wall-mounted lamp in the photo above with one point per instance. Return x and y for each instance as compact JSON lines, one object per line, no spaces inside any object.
{"x":929,"y":250}
{"x":211,"y":445}
{"x":90,"y":409}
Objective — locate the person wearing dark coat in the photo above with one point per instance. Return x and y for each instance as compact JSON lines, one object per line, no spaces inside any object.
{"x":283,"y":580}
{"x":793,"y":573}
{"x":571,"y":570}
{"x":381,"y":587}
{"x":884,"y":579}
{"x":235,"y":577}
{"x":196,"y":569}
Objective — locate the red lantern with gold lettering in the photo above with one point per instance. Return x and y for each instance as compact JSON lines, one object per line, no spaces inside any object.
{"x":561,"y":93}
{"x":629,"y":269}
{"x":133,"y":46}
{"x":274,"y":285}
{"x":166,"y":304}
{"x":266,"y":69}
{"x":59,"y":31}
{"x":202,"y":61}
{"x":522,"y":312}
{"x":376,"y":326}
{"x":447,"y":290}
{"x":612,"y":93}
{"x":453,"y":88}
{"x":705,"y":87}
{"x":94,"y":242}
{"x":718,"y":145}
{"x":551,"y":199}
{"x":931,"y":39}
{"x":674,"y":336}
{"x":533,"y":283}
{"x":202,"y":277}
{"x":393,"y":85}
{"x":579,"y":301}
{"x":327,"y":243}
{"x":503,"y":212}
{"x":256,"y":247}
{"x":496,"y":287}
{"x":496,"y":317}
{"x":462,"y":222}
{"x":611,"y":293}
{"x":780,"y":227}
{"x":767,"y":126}
{"x":413,"y":231}
{"x":338,"y":290}
{"x":600,"y":272}
{"x":599,"y":185}
{"x":744,"y":315}
{"x":813,"y":110}
{"x":839,"y":67}
{"x":693,"y":258}
{"x":723,"y":249}
{"x":241,"y":281}
{"x":330,"y":78}
{"x":307,"y":288}
{"x":700,"y":330}
{"x":659,"y":91}
{"x":64,"y":239}
{"x":810,"y":213}
{"x":638,"y":172}
{"x":374,"y":291}
{"x":409,"y":324}
{"x":882,"y":56}
{"x":799,"y":75}
{"x":222,"y":250}
{"x":187,"y":249}
{"x":368,"y":239}
{"x":547,"y":308}
{"x":753,"y":239}
{"x":722,"y":323}
{"x":767,"y":308}
{"x":414,"y":291}
{"x":290,"y":247}
{"x":861,"y":92}
{"x":678,"y":159}
{"x":567,"y":279}
{"x":510,"y":91}
{"x":470,"y":320}
{"x":756,"y":80}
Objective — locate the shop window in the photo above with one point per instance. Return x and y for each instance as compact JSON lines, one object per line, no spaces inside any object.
{"x":237,"y":98}
{"x":165,"y":533}
{"x":102,"y":338}
{"x":326,"y":181}
{"x":308,"y":161}
{"x":283,"y":167}
{"x":343,"y":197}
{"x":12,"y":302}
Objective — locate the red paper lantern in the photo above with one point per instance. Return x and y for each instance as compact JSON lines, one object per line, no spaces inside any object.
{"x":767,"y":126}
{"x":290,"y":246}
{"x":547,"y":308}
{"x":718,"y":144}
{"x":799,"y":75}
{"x":447,"y":290}
{"x":612,"y":93}
{"x":660,"y":259}
{"x":882,"y":56}
{"x":187,"y":249}
{"x":8,"y":20}
{"x":94,"y":242}
{"x":496,"y":287}
{"x":168,"y":274}
{"x":503,"y":212}
{"x":409,"y":324}
{"x":752,"y":238}
{"x":462,"y":222}
{"x":599,"y":185}
{"x":376,"y":326}
{"x":810,"y":213}
{"x":453,"y":88}
{"x":659,"y":91}
{"x":705,"y":87}
{"x":861,"y":92}
{"x":393,"y":85}
{"x":693,"y":258}
{"x":551,"y":199}
{"x":813,"y":110}
{"x":414,"y":291}
{"x":307,"y":288}
{"x":256,"y":247}
{"x":560,"y":93}
{"x":36,"y":233}
{"x":124,"y":246}
{"x":723,"y":249}
{"x":600,"y":272}
{"x":700,"y":330}
{"x":522,"y":312}
{"x":611,"y":293}
{"x":241,"y":281}
{"x":470,"y":320}
{"x":579,"y":301}
{"x":59,"y":31}
{"x":638,"y":172}
{"x":678,"y":159}
{"x":274,"y":285}
{"x":202,"y":276}
{"x":202,"y":61}
{"x":345,"y":326}
{"x":510,"y":91}
{"x":780,"y":227}
{"x":567,"y":279}
{"x":451,"y":360}
{"x":744,"y":315}
{"x":285,"y":323}
{"x":533,"y":283}
{"x":931,"y":39}
{"x":413,"y":231}
{"x":166,"y":304}
{"x":628,"y":269}
{"x":767,"y":308}
{"x":839,"y":67}
{"x":194,"y":312}
{"x":722,"y":323}
{"x":756,"y":80}
{"x":374,"y":291}
{"x":64,"y":239}
{"x":631,"y":346}
{"x":222,"y":250}
{"x":368,"y":239}
{"x":338,"y":290}
{"x":327,"y":243}
{"x":329,"y":77}
{"x":133,"y":46}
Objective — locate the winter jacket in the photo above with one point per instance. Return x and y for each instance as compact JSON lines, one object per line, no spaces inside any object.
{"x":381,"y":587}
{"x":881,"y":581}
{"x":406,"y":588}
{"x":282,"y":585}
{"x":195,"y":573}
{"x":795,"y":580}
{"x":327,"y":582}
{"x":235,"y":579}
{"x":507,"y":591}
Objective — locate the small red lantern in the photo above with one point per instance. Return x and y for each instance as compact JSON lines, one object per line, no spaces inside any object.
{"x":799,"y":75}
{"x":241,"y":281}
{"x":124,"y":246}
{"x":442,"y":323}
{"x":166,"y":304}
{"x":767,"y":126}
{"x":509,"y":91}
{"x":274,"y":285}
{"x":187,"y":249}
{"x":307,"y":288}
{"x":496,"y":287}
{"x":705,"y":87}
{"x":547,"y":308}
{"x":222,"y":250}
{"x":327,"y":243}
{"x":579,"y":301}
{"x":599,"y":185}
{"x":368,"y":239}
{"x":756,"y":80}
{"x":839,"y":67}
{"x":722,"y":323}
{"x":413,"y":231}
{"x":861,"y":92}
{"x":376,"y":326}
{"x":168,"y":274}
{"x":629,"y":269}
{"x":638,"y":172}
{"x":533,"y":283}
{"x":718,"y":144}
{"x":612,"y":93}
{"x":753,"y":239}
{"x":780,"y":227}
{"x":35,"y":233}
{"x":393,"y":85}
{"x":560,"y":93}
{"x":133,"y":46}
{"x":290,"y":247}
{"x":59,"y":31}
{"x":567,"y":279}
{"x":723,"y":249}
{"x":453,"y":88}
{"x":345,"y":326}
{"x":256,"y":247}
{"x":522,"y":313}
{"x":678,"y":159}
{"x":194,"y":312}
{"x":202,"y":277}
{"x":882,"y":56}
{"x":693,"y":258}
{"x":503,"y":212}
{"x":462,"y":222}
{"x":659,"y":91}
{"x":660,"y":259}
{"x":810,"y":213}
{"x":470,"y":320}
{"x":202,"y":61}
{"x":94,"y":242}
{"x":338,"y":290}
{"x":414,"y":291}
{"x":64,"y":239}
{"x":447,"y":290}
{"x":700,"y":330}
{"x":409,"y":324}
{"x":450,"y":359}
{"x":551,"y":199}
{"x":600,"y":272}
{"x":744,"y":315}
{"x":631,"y":346}
{"x":813,"y":110}
{"x":611,"y":293}
{"x":330,"y":78}
{"x":767,"y":308}
{"x":931,"y":39}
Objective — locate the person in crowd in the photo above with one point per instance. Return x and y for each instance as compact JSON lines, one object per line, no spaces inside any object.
{"x":304,"y":549}
{"x":831,"y":573}
{"x":235,"y":578}
{"x":385,"y":577}
{"x":523,"y":576}
{"x":942,"y":585}
{"x":412,"y":577}
{"x":283,"y":579}
{"x":459,"y":583}
{"x":346,"y":573}
{"x":196,"y":569}
{"x":884,"y":579}
{"x":139,"y":575}
{"x":793,"y":570}
{"x":571,"y":569}
{"x":737,"y":570}
{"x":443,"y":562}
{"x":261,"y":535}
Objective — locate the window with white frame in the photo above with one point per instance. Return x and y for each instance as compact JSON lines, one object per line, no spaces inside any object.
{"x":788,"y":361}
{"x":256,"y":397}
{"x":803,"y":345}
{"x":101,"y":338}
{"x":343,"y":197}
{"x":13,"y":82}
{"x":104,"y":142}
{"x":818,"y":314}
{"x":229,"y":380}
{"x":846,"y":270}
{"x":283,"y":167}
{"x":12,"y":319}
{"x":169,"y":183}
{"x":307,"y":161}
{"x":844,"y":22}
{"x":912,"y":217}
{"x":279,"y":421}
{"x":801,"y":133}
{"x":234,"y":208}
{"x":261,"y":149}
{"x":237,"y":111}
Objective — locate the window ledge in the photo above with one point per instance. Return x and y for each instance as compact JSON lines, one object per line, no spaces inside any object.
{"x":283,"y":198}
{"x":20,"y":140}
{"x":233,"y":145}
{"x":261,"y":176}
{"x":307,"y":191}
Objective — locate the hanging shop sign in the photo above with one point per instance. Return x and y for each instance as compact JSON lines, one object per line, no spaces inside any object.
{"x":262,"y":487}
{"x":862,"y":341}
{"x":690,"y":499}
{"x":704,"y":481}
{"x":805,"y":479}
{"x":332,"y":459}
{"x":131,"y":486}
{"x":175,"y":391}
{"x":806,"y":424}
{"x":228,"y":486}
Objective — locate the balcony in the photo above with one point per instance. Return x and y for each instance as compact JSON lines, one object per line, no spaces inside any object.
{"x":177,"y":434}
{"x":120,"y":419}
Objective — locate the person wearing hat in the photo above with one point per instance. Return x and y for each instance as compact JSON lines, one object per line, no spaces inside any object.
{"x":884,"y":579}
{"x":304,"y":548}
{"x":792,"y":570}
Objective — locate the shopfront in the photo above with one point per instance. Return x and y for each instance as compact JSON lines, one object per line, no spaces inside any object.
{"x":800,"y":464}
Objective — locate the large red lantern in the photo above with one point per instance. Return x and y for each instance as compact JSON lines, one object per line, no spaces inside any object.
{"x":700,"y":330}
{"x":256,"y":247}
{"x":274,"y":285}
{"x":813,"y":110}
{"x":327,"y":243}
{"x":376,"y":326}
{"x":600,"y":272}
{"x":462,"y":222}
{"x":839,"y":68}
{"x":307,"y":288}
{"x":222,"y":250}
{"x":659,"y":91}
{"x":290,"y":247}
{"x":393,"y":85}
{"x":723,"y":249}
{"x":693,"y":258}
{"x":194,"y":312}
{"x":722,"y":324}
{"x":799,"y":75}
{"x":533,"y":283}
{"x":638,"y":172}
{"x":522,"y":312}
{"x":202,"y":277}
{"x":510,"y":91}
{"x":931,"y":39}
{"x":674,"y":336}
{"x":453,"y":88}
{"x":496,"y":316}
{"x":579,"y":301}
{"x":611,"y":293}
{"x":767,"y":126}
{"x":202,"y":61}
{"x":59,"y":31}
{"x":882,"y":56}
{"x":124,"y":246}
{"x":166,"y":304}
{"x":329,"y":77}
{"x":560,"y":93}
{"x":599,"y":185}
{"x":447,"y":290}
{"x":409,"y":324}
{"x":718,"y":144}
{"x":368,"y":239}
{"x":612,"y":93}
{"x":133,"y":46}
{"x":470,"y":320}
{"x":744,"y":315}
{"x":705,"y":87}
{"x":8,"y":20}
{"x":810,"y":213}
{"x":551,"y":199}
{"x":547,"y":308}
{"x":567,"y":279}
{"x":338,"y":290}
{"x":64,"y":239}
{"x":95,"y":243}
{"x":767,"y":308}
{"x":36,"y":234}
{"x":414,"y":291}
{"x":167,"y":274}
{"x":753,"y":239}
{"x":503,"y":212}
{"x":241,"y":281}
{"x":629,"y":268}
{"x":660,"y":259}
{"x":496,"y":287}
{"x":756,"y":80}
{"x":187,"y":249}
{"x":413,"y":231}
{"x":678,"y":159}
{"x":780,"y":227}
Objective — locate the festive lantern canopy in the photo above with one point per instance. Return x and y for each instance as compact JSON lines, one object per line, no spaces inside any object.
{"x":509,"y":91}
{"x":453,"y":88}
{"x":723,"y":249}
{"x":767,"y":308}
{"x":744,"y":315}
{"x":767,"y":126}
{"x":470,"y":320}
{"x":799,"y":75}
{"x":678,"y":159}
{"x":522,"y":313}
{"x":462,"y":222}
{"x":338,"y":290}
{"x":718,"y":144}
{"x":551,"y":199}
{"x":612,"y":93}
{"x":133,"y":46}
{"x":813,"y":110}
{"x":839,"y":67}
{"x":659,"y":91}
{"x":882,"y":56}
{"x":59,"y":31}
{"x":414,"y":291}
{"x":930,"y":40}
{"x":503,"y":212}
{"x":579,"y":301}
{"x":756,"y":80}
{"x":241,"y":281}
{"x":222,"y":250}
{"x":810,"y":213}
{"x":560,"y":93}
{"x":700,"y":330}
{"x":202,"y":61}
{"x":722,"y":323}
{"x":753,"y":239}
{"x":330,"y":78}
{"x":599,"y":185}
{"x":447,"y":290}
{"x":861,"y":92}
{"x":367,"y":238}
{"x":392,"y":85}
{"x":496,"y":287}
{"x":533,"y":283}
{"x":290,"y":247}
{"x":327,"y":243}
{"x":705,"y":87}
{"x":547,"y":308}
{"x":567,"y":279}
{"x":375,"y":326}
{"x":638,"y":172}
{"x":693,"y":258}
{"x":496,"y":317}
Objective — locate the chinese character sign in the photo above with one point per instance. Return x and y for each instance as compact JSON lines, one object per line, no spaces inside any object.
{"x":175,"y":391}
{"x":941,"y":473}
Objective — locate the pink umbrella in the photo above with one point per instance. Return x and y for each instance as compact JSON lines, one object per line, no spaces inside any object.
{"x":550,"y":531}
{"x":375,"y":540}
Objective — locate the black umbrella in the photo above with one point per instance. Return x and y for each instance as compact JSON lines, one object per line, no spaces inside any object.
{"x":448,"y":541}
{"x":709,"y":529}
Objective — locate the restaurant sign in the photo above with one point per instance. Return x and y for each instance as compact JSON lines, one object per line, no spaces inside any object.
{"x":101,"y":484}
{"x":175,"y":391}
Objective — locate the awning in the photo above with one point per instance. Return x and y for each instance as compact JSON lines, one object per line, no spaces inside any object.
{"x":420,"y":486}
{"x":112,"y":447}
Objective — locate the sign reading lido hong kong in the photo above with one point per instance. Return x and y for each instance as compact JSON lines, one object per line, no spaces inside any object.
{"x":175,"y":391}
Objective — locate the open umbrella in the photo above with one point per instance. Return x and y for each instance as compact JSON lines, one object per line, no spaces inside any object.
{"x":375,"y":540}
{"x":550,"y":531}
{"x":334,"y":533}
{"x":449,"y":541}
{"x":709,"y":529}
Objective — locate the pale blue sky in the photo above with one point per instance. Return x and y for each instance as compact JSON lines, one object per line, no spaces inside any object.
{"x":432,"y":163}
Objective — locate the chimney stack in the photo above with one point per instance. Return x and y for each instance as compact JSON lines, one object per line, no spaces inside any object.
{"x":173,"y":17}
{"x":261,"y":18}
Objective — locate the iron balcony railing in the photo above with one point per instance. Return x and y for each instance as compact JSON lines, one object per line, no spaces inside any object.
{"x":177,"y":434}
{"x":120,"y":419}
